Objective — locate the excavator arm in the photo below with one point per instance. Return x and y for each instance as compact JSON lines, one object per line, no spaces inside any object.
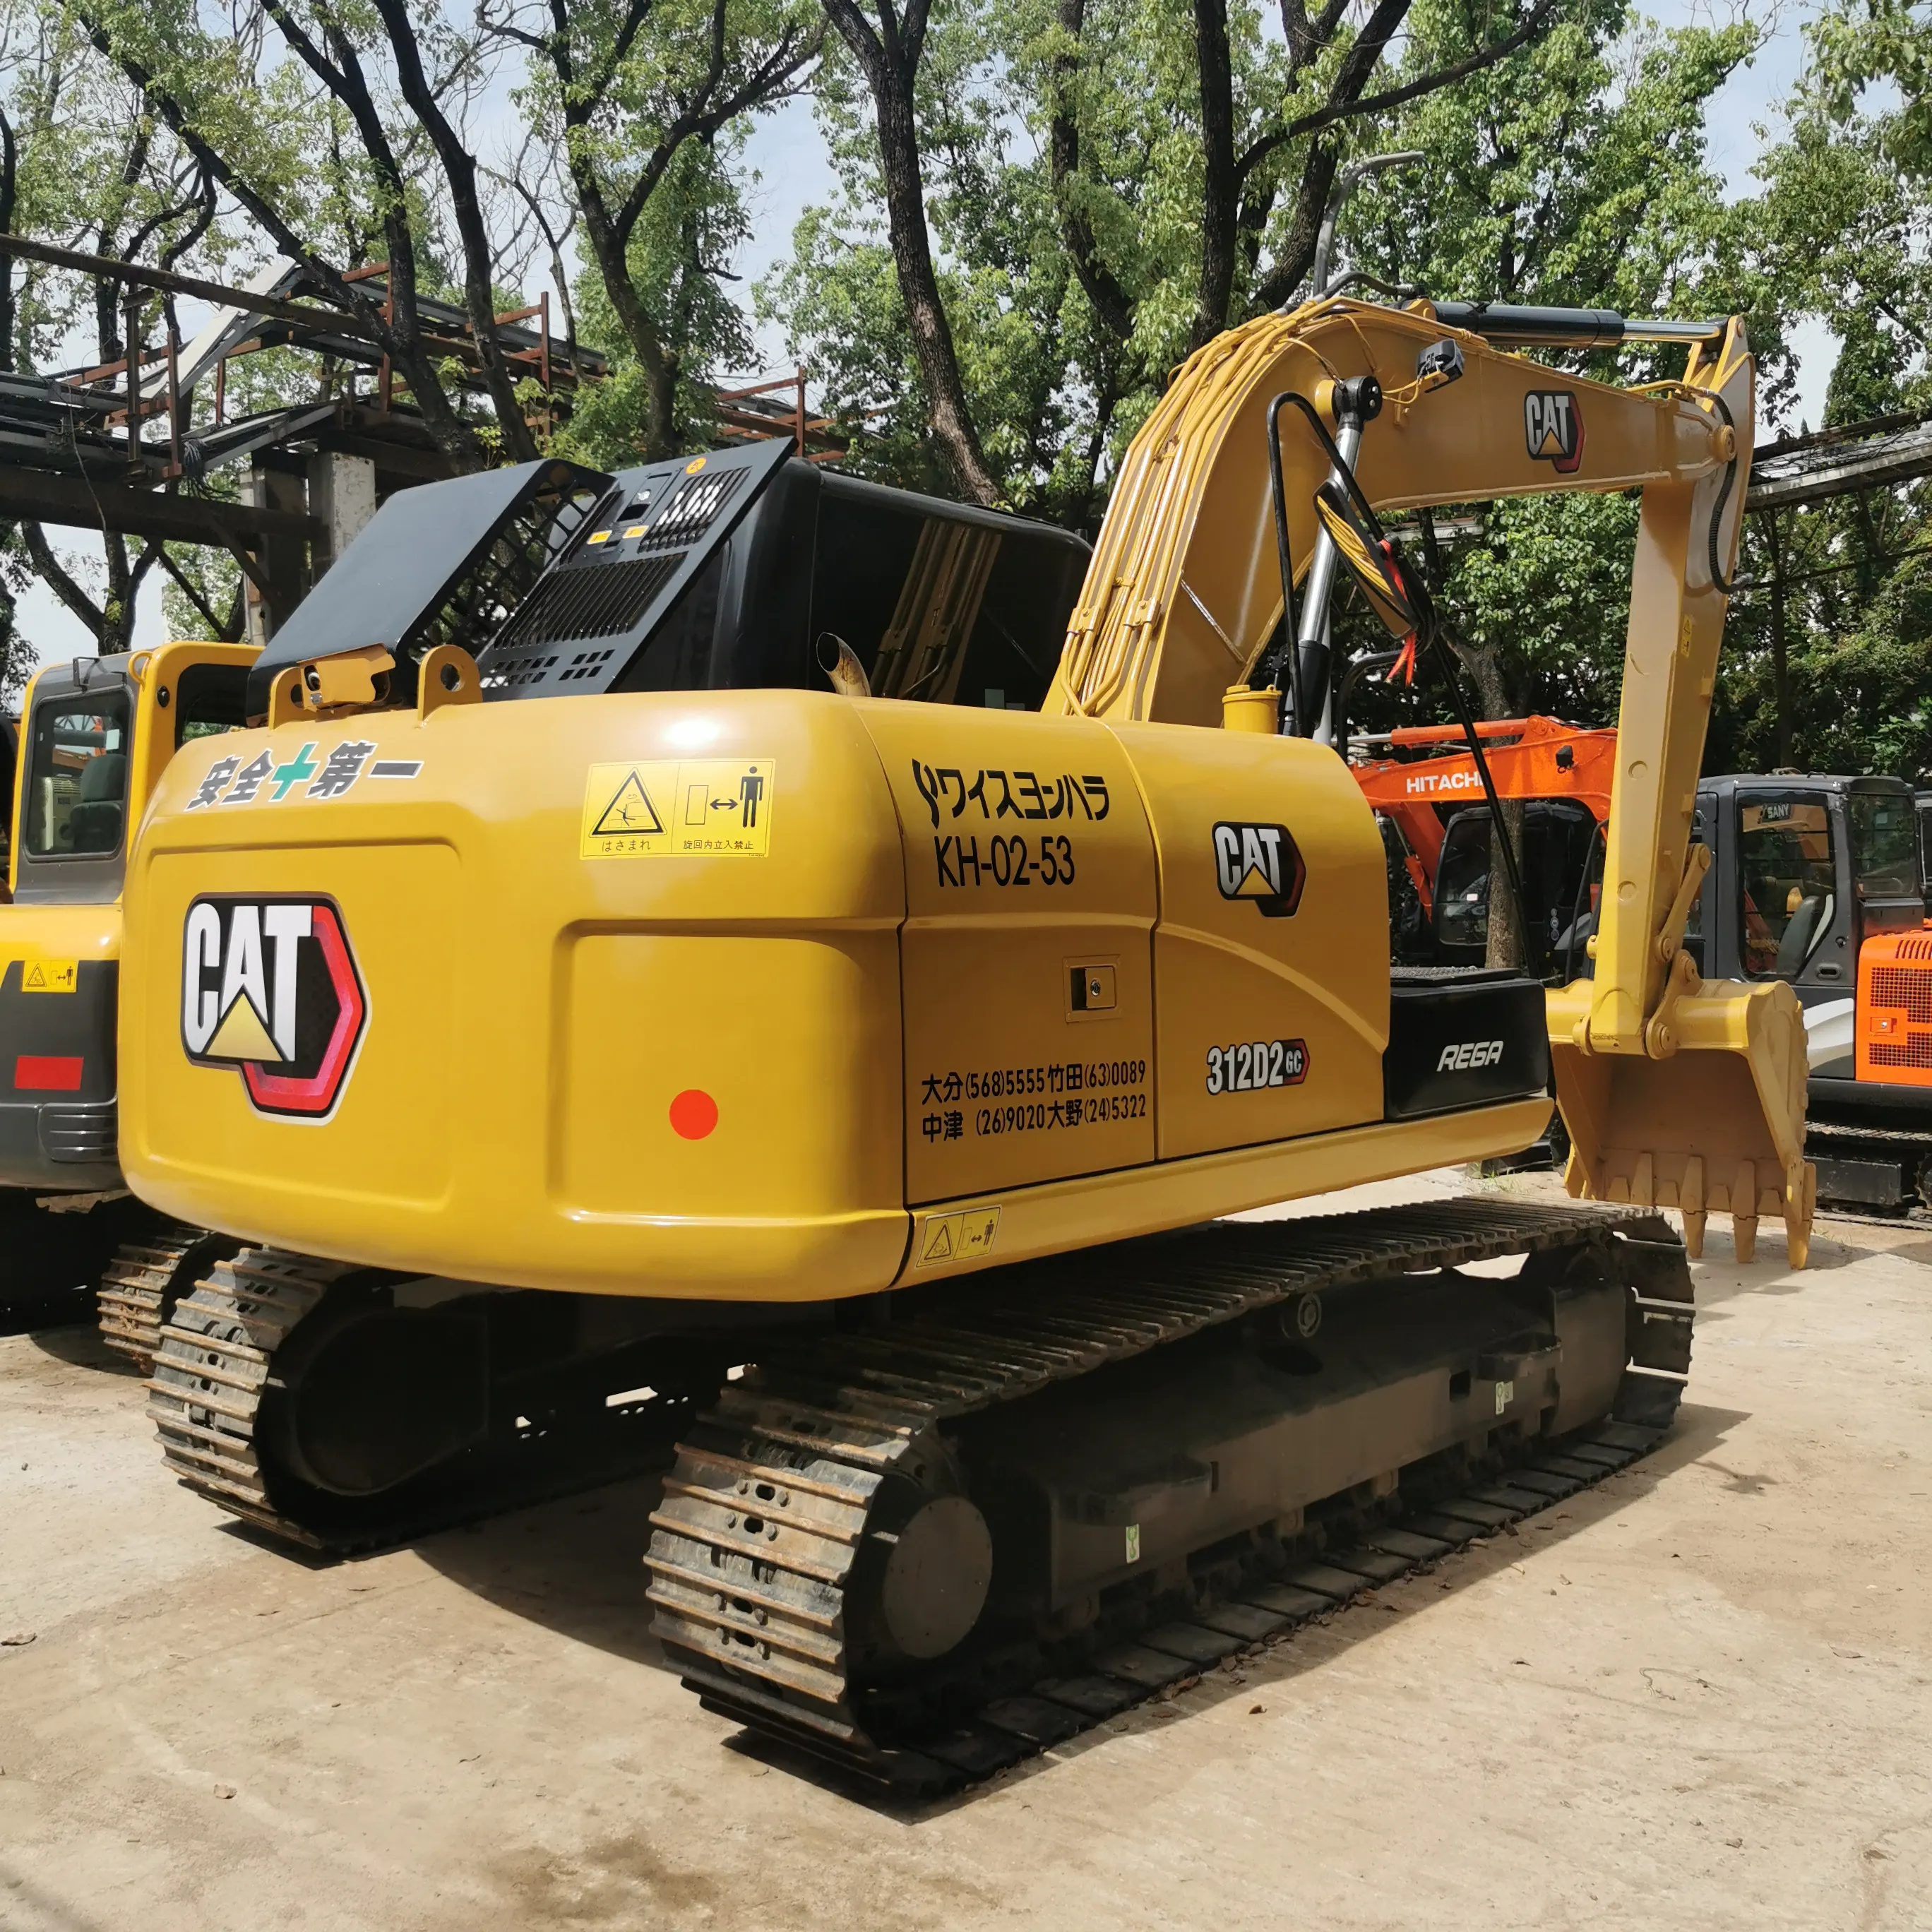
{"x":1676,"y":1092}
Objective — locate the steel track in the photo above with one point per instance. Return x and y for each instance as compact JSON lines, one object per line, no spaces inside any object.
{"x":766,"y":1512}
{"x":141,"y":1285}
{"x":217,"y":1362}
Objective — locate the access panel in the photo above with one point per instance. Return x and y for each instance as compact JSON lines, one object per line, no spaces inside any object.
{"x":1028,"y":994}
{"x":1271,"y":958}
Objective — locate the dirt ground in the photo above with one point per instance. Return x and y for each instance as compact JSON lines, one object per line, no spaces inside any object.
{"x":1698,"y":1697}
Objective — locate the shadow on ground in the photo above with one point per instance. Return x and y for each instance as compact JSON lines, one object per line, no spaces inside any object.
{"x":575,"y":1565}
{"x":51,"y":1317}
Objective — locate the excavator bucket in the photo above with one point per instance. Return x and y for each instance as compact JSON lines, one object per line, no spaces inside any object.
{"x":1717,"y":1126}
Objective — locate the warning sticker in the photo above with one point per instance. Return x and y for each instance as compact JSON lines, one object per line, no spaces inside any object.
{"x":697,"y":808}
{"x":956,"y":1237}
{"x":49,"y":976}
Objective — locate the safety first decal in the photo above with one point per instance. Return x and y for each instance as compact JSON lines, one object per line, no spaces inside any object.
{"x":270,"y":988}
{"x":697,"y":808}
{"x":309,"y":774}
{"x":955,"y":1238}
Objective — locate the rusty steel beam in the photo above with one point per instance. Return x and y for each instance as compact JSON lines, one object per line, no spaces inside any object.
{"x":74,"y":501}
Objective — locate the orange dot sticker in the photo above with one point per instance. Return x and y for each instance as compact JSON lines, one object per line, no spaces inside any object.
{"x":694,"y":1113}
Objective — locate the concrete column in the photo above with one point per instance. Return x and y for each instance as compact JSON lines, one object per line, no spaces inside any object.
{"x":276,"y":482}
{"x":342,"y":494}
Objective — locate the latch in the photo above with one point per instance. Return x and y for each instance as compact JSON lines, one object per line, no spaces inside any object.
{"x":1090,"y":987}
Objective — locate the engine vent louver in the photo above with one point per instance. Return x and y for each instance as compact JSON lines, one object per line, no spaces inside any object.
{"x":1903,"y":990}
{"x":625,"y":572}
{"x":597,"y":601}
{"x":690,"y":512}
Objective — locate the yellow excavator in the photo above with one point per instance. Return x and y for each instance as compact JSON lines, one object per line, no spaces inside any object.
{"x":630,"y":1029}
{"x":96,"y":734}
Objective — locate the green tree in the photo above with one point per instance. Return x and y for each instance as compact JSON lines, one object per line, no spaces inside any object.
{"x":1110,"y":183}
{"x":642,"y":97}
{"x":1828,"y":657}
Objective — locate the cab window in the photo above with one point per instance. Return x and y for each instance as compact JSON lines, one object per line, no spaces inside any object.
{"x":75,"y":802}
{"x":1885,"y":846}
{"x":1788,"y":881}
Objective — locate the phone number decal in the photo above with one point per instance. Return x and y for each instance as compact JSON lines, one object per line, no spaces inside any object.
{"x":1248,"y":1067}
{"x":1074,"y":1093}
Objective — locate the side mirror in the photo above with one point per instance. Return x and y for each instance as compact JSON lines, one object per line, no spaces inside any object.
{"x":1395,"y":595}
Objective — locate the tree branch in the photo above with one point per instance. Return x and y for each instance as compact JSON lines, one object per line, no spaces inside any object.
{"x":48,"y":567}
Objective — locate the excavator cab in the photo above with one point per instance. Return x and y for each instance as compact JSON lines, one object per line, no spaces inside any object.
{"x":1817,"y":885}
{"x":96,"y":733}
{"x":1562,"y":878}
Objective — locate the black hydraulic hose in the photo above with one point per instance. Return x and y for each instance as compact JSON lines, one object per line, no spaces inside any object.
{"x":1286,"y":561}
{"x":1452,"y":671}
{"x":1600,"y":836}
{"x":1339,"y":465}
{"x":1718,"y":576}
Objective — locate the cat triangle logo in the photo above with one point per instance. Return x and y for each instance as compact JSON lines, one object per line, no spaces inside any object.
{"x":1553,"y":429}
{"x":243,"y":1035}
{"x":270,"y":990}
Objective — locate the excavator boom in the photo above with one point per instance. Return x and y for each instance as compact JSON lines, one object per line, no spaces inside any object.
{"x":1186,"y":592}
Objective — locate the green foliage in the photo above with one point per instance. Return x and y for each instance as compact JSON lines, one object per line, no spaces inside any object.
{"x":1842,"y":233}
{"x":1572,"y":173}
{"x":693,"y":223}
{"x":1859,"y":44}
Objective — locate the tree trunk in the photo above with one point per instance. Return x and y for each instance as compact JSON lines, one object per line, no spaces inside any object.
{"x":1076,"y":233}
{"x":1220,"y":191}
{"x":948,"y":414}
{"x":1781,"y":679}
{"x":658,"y":362}
{"x":890,"y":65}
{"x":1507,"y":943}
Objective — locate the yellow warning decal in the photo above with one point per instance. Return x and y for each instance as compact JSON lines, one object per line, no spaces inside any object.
{"x":692,"y":809}
{"x":49,"y":976}
{"x":956,"y":1237}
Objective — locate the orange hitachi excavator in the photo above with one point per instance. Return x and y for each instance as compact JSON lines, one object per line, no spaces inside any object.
{"x":1567,"y":772}
{"x":583,"y":1021}
{"x":1816,"y":881}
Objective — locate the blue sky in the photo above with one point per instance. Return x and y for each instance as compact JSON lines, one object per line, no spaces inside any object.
{"x":793,"y":173}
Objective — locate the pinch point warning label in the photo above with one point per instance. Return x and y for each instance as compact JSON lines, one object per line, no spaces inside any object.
{"x":955,"y":1238}
{"x":688,"y":809}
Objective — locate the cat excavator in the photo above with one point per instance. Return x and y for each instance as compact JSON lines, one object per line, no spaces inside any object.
{"x":95,"y":735}
{"x":602,"y":1040}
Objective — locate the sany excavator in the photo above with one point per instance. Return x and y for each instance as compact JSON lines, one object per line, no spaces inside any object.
{"x":96,"y":735}
{"x":604,"y":1038}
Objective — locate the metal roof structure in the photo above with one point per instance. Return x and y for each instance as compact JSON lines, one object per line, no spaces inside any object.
{"x":1877,"y":454}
